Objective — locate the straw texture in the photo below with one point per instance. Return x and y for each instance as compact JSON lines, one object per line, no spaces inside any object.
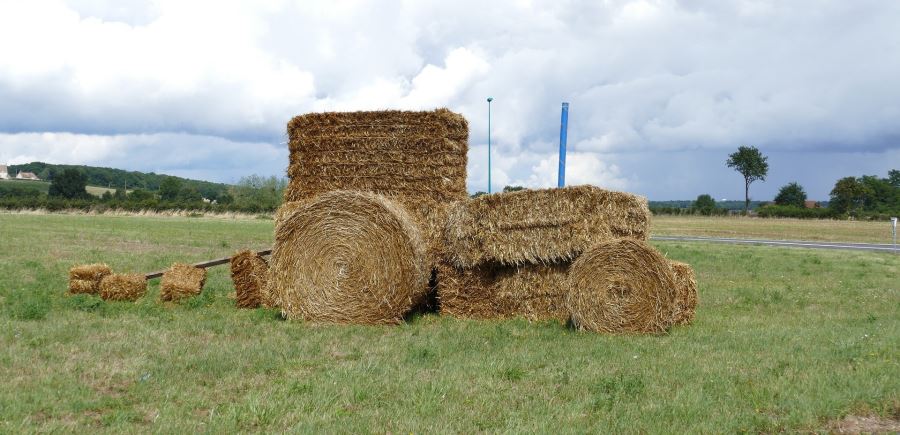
{"x":417,"y":159}
{"x":348,"y":257}
{"x":541,"y":226}
{"x":685,"y":292}
{"x":123,"y":287}
{"x":621,"y":286}
{"x":181,"y":281}
{"x":535,"y":292}
{"x":86,"y":278}
{"x":248,"y":273}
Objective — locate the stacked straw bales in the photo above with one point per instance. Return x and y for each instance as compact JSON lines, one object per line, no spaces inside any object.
{"x":685,"y":292}
{"x":621,"y":286}
{"x":509,"y":254}
{"x":542,"y":226}
{"x":348,"y":257}
{"x":86,"y":278}
{"x":181,"y":281}
{"x":417,"y":159}
{"x":248,"y":273}
{"x":123,"y":287}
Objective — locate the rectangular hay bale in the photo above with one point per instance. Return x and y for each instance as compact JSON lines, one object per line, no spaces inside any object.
{"x":123,"y":287}
{"x":541,"y":226}
{"x":533,"y":291}
{"x":86,"y":278}
{"x":417,"y":159}
{"x":181,"y":281}
{"x":248,"y":273}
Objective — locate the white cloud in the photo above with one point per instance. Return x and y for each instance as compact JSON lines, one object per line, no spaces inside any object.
{"x":642,"y":76}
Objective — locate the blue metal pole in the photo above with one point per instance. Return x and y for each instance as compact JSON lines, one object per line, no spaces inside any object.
{"x":489,"y":142}
{"x":563,"y":132}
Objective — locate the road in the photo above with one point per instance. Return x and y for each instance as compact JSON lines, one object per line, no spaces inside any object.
{"x":786,"y":243}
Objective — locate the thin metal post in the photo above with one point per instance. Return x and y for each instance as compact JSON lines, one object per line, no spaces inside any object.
{"x":563,"y":132}
{"x":489,"y":142}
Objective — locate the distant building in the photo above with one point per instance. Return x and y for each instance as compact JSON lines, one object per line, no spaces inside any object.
{"x":4,"y":172}
{"x":26,"y":176}
{"x":811,"y":204}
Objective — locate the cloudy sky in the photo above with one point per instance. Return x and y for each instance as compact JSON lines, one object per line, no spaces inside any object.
{"x":660,"y":91}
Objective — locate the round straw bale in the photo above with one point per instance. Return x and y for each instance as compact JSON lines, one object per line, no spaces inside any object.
{"x":123,"y":287}
{"x":621,"y":286}
{"x":181,"y":281}
{"x":348,"y":257}
{"x":685,"y":292}
{"x":248,"y":272}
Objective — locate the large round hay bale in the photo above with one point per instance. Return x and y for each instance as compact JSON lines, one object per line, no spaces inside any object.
{"x":348,"y":257}
{"x":685,"y":292}
{"x":621,"y":286}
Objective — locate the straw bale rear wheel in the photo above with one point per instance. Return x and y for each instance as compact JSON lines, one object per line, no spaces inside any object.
{"x":621,"y":286}
{"x":348,"y":257}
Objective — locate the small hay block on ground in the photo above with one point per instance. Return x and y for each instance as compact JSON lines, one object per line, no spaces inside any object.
{"x":181,"y":281}
{"x":541,"y":226}
{"x":248,"y":273}
{"x":86,"y":278}
{"x":123,"y":287}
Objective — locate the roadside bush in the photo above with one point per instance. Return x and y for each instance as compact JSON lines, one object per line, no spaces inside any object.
{"x":790,"y":211}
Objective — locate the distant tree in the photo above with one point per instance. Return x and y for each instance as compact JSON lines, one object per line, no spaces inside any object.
{"x":894,"y":177}
{"x":705,"y":203}
{"x":120,"y":194}
{"x":848,"y":195}
{"x":169,"y":189}
{"x":479,"y":193}
{"x":513,"y":188}
{"x":139,"y":195}
{"x":69,"y":184}
{"x":752,"y":165}
{"x":107,"y":196}
{"x":791,"y":194}
{"x":189,"y":195}
{"x":258,"y":193}
{"x":225,"y":199}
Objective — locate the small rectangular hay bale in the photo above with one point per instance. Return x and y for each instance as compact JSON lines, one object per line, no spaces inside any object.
{"x":534,"y":291}
{"x":181,"y":281}
{"x":541,"y":226}
{"x":123,"y":287}
{"x":685,"y":292}
{"x":86,"y":278}
{"x":248,"y":273}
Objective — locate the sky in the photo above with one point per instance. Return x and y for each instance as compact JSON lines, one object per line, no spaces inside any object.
{"x":660,"y":92}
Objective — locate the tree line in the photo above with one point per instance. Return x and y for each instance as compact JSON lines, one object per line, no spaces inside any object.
{"x":68,"y":190}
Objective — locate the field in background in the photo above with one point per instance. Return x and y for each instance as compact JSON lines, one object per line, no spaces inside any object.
{"x":44,"y":186}
{"x":773,"y":228}
{"x":784,"y":339}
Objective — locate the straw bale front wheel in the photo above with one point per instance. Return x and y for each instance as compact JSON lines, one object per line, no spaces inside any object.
{"x":348,"y":257}
{"x":621,"y":286}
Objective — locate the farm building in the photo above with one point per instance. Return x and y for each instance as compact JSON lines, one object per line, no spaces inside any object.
{"x":27,"y":176}
{"x":4,"y":172}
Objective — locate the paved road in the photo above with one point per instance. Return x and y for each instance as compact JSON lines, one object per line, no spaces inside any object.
{"x":787,"y":243}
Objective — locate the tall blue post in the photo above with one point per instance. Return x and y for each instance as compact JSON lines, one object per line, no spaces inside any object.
{"x":563,"y":132}
{"x":489,"y":142}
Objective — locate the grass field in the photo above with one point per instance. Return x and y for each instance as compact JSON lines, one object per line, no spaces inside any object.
{"x":784,"y":339}
{"x":773,"y":228}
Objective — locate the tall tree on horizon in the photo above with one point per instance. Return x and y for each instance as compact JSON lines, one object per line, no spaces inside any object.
{"x":752,"y":165}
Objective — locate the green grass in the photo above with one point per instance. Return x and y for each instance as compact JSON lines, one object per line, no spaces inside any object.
{"x":773,"y":228}
{"x":784,"y":339}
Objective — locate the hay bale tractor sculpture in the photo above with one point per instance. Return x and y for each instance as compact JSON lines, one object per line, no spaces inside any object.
{"x":376,"y":216}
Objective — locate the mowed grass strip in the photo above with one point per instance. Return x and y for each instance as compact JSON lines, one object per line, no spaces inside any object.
{"x":784,"y":339}
{"x":773,"y":228}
